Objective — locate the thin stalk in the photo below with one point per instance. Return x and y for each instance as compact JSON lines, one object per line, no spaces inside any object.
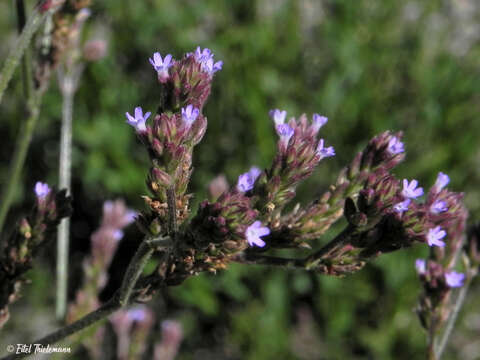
{"x":120,"y":299}
{"x":65,"y":170}
{"x":451,"y":320}
{"x":19,"y":155}
{"x":26,"y":60}
{"x":19,"y":48}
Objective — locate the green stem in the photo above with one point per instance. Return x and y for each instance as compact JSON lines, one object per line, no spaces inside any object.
{"x":19,"y":155}
{"x":68,"y":87}
{"x":451,"y":320}
{"x":121,"y":298}
{"x":18,"y":50}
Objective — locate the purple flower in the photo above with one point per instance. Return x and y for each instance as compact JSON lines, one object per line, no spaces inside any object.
{"x":205,"y":58}
{"x":137,"y":314}
{"x":160,"y":65}
{"x":395,"y":146}
{"x":285,"y":132}
{"x":138,"y":122}
{"x":435,"y":235}
{"x":254,"y":232}
{"x":324,"y":152}
{"x":246,"y":181}
{"x":318,"y":121}
{"x":41,"y":189}
{"x":421,"y":266}
{"x":210,"y":67}
{"x":118,"y":234}
{"x":454,"y":279}
{"x":438,"y":207}
{"x":411,"y":190}
{"x":203,"y":55}
{"x":278,"y":116}
{"x":189,"y":115}
{"x":442,"y":181}
{"x":402,"y":206}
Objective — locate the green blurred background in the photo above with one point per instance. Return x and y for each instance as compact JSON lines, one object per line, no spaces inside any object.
{"x":367,"y":65}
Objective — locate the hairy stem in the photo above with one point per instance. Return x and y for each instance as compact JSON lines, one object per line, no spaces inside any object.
{"x":101,"y":313}
{"x":19,"y":155}
{"x":19,"y":48}
{"x":68,"y":86}
{"x":121,"y":298}
{"x":451,"y":320}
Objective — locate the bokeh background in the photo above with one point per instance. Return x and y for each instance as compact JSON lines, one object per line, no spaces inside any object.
{"x":367,"y":65}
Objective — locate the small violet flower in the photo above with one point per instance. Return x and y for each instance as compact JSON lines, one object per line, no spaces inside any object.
{"x":41,"y":189}
{"x":435,"y":236}
{"x":278,"y":116}
{"x":421,"y":266}
{"x":137,"y":314}
{"x":395,"y":146}
{"x":442,"y":181}
{"x":454,"y":279}
{"x":138,"y":122}
{"x":247,"y":180}
{"x":210,"y":67}
{"x":318,"y":121}
{"x":160,"y":65}
{"x":324,"y":152}
{"x":117,"y":235}
{"x":285,"y":132}
{"x":205,"y":58}
{"x":402,"y":206}
{"x":438,"y":207}
{"x":411,"y":190}
{"x":254,"y":232}
{"x":189,"y":115}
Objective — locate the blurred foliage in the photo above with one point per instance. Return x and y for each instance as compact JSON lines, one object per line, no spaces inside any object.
{"x":367,"y":65}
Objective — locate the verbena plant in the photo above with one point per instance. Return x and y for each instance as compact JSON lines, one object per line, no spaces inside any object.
{"x":245,"y":223}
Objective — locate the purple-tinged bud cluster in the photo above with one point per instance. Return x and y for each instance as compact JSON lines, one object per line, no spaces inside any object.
{"x":298,"y":153}
{"x":139,"y":120}
{"x":32,"y":233}
{"x":104,"y":241}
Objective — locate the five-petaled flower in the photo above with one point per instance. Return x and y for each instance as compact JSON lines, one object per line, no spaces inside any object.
{"x":402,"y":206}
{"x":324,"y":152}
{"x":205,"y":58}
{"x":441,"y":182}
{"x":189,"y":115}
{"x":246,"y":181}
{"x":454,"y":279}
{"x":254,"y":232}
{"x":138,"y":122}
{"x":435,"y":236}
{"x":395,"y":146}
{"x":411,"y":190}
{"x":278,"y":116}
{"x":41,"y":189}
{"x":318,"y":121}
{"x":421,"y":266}
{"x":438,"y":207}
{"x":160,"y":65}
{"x":285,"y":132}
